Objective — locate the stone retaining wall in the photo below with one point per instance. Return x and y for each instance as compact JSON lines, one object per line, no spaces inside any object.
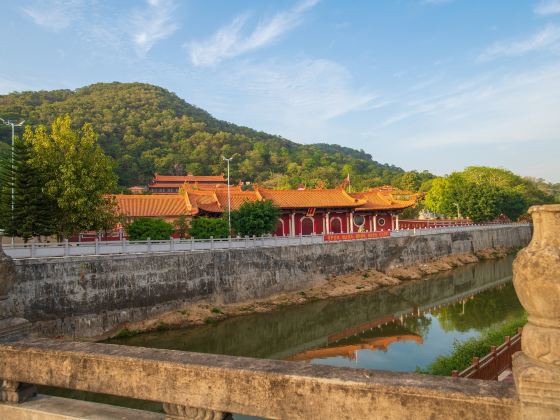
{"x":87,"y":296}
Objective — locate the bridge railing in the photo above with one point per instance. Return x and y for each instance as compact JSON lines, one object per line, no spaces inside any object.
{"x":196,"y":385}
{"x":68,"y":249}
{"x":494,"y":363}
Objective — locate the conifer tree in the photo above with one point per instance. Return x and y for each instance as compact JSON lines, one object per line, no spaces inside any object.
{"x":32,"y":210}
{"x":6,"y":193}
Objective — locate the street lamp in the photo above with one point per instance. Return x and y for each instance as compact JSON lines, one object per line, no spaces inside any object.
{"x":458,"y":211}
{"x":228,"y":193}
{"x":13,"y":125}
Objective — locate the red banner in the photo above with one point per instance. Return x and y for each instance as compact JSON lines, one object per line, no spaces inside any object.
{"x":353,"y":236}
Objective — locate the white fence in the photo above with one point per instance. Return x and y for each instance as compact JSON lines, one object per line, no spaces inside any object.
{"x":67,"y":249}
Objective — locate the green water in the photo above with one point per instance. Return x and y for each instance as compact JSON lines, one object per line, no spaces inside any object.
{"x":397,"y":328}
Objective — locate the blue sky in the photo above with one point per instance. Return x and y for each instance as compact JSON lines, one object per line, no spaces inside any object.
{"x":422,"y":84}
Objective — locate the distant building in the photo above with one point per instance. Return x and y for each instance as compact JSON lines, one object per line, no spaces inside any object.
{"x":170,"y":184}
{"x":303,"y":211}
{"x":137,"y":189}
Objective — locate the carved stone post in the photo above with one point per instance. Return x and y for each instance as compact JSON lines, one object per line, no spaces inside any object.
{"x":11,"y":329}
{"x":536,"y":277}
{"x":185,"y":412}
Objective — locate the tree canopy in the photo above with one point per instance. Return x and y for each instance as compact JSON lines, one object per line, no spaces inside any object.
{"x":75,"y":174}
{"x":208,"y":227}
{"x":147,"y":129}
{"x":145,"y":228}
{"x":255,"y":218}
{"x":483,"y":194}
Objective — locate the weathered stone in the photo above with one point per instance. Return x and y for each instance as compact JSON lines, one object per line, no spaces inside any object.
{"x":536,"y":277}
{"x":264,"y":388}
{"x":7,"y":280}
{"x":186,"y":412}
{"x":44,"y":407}
{"x":87,"y":296}
{"x":16,"y":392}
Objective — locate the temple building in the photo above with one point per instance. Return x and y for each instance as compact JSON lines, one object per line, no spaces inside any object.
{"x":170,"y":184}
{"x":303,"y":211}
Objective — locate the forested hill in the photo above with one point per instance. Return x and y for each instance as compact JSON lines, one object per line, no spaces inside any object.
{"x":148,"y":129}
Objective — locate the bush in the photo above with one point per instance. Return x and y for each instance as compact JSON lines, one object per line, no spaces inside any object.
{"x":255,"y":218}
{"x":463,"y":351}
{"x":145,"y":227}
{"x":205,"y":227}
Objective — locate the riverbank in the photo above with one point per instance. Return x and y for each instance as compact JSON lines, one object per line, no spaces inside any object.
{"x":362,"y":281}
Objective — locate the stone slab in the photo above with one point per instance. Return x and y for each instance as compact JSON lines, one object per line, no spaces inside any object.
{"x":45,"y":407}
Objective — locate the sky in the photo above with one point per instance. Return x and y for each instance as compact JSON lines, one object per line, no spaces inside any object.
{"x":421,"y":84}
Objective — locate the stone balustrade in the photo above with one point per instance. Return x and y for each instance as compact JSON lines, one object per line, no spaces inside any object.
{"x":195,"y":385}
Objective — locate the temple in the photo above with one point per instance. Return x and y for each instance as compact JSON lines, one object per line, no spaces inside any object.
{"x":303,"y":211}
{"x":168,"y":184}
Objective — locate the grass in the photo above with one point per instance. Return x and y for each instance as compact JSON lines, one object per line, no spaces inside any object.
{"x":216,"y":311}
{"x":162,"y":326}
{"x":463,"y":351}
{"x":210,"y":321}
{"x":125,"y":333}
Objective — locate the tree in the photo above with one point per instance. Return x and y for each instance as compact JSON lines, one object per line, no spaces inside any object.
{"x":479,"y":193}
{"x":206,"y":227}
{"x":76,"y":175}
{"x":145,"y":228}
{"x":255,"y":218}
{"x":182,"y":226}
{"x":32,"y":213}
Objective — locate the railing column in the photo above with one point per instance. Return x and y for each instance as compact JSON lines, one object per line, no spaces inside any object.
{"x":96,"y":246}
{"x":33,"y":249}
{"x":187,"y":412}
{"x":211,"y":242}
{"x":149,"y":244}
{"x":123,"y":245}
{"x":16,"y":392}
{"x":192,"y":243}
{"x":66,"y":249}
{"x":536,"y":368}
{"x":171,"y":244}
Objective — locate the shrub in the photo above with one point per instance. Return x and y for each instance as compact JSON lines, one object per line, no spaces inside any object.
{"x":205,"y":227}
{"x":463,"y":351}
{"x":145,"y":227}
{"x":255,"y":218}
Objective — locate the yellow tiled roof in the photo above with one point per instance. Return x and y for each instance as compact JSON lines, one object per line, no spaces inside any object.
{"x":311,"y":198}
{"x":161,"y":205}
{"x":385,"y":198}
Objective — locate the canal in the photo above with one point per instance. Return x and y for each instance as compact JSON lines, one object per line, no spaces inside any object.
{"x":398,"y":328}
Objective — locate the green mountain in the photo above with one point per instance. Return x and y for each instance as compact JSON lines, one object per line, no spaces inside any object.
{"x":148,"y":129}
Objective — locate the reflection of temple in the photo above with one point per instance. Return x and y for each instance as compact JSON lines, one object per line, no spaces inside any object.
{"x":349,"y":351}
{"x":380,"y":333}
{"x":374,"y":335}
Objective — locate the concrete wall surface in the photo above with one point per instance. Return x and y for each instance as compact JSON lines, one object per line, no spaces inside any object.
{"x":87,"y":296}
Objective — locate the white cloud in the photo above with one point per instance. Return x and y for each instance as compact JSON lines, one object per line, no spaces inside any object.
{"x":55,"y":15}
{"x":548,"y":7}
{"x":152,"y":24}
{"x":297,"y":99}
{"x":229,"y":41}
{"x":546,"y":39}
{"x":514,"y":108}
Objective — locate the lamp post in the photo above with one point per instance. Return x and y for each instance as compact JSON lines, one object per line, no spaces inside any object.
{"x":228,"y":193}
{"x":13,"y":125}
{"x":458,"y":211}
